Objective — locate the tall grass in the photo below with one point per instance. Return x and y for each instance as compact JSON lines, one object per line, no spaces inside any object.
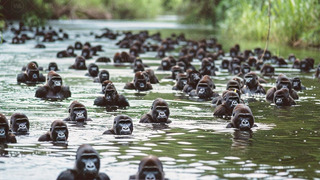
{"x":294,"y":22}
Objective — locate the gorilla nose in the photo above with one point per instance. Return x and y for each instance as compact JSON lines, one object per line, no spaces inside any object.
{"x":80,"y":115}
{"x":201,"y":91}
{"x":90,"y":166}
{"x":125,"y":128}
{"x":34,"y":76}
{"x":141,"y":85}
{"x":162,"y":114}
{"x":234,"y":102}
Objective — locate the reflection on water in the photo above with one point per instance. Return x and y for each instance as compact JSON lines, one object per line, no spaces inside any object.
{"x":195,"y":145}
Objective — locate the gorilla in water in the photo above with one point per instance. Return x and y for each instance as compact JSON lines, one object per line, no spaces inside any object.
{"x":230,"y":100}
{"x":122,"y":125}
{"x":87,"y":166}
{"x":204,"y":89}
{"x":283,"y":98}
{"x":103,"y":76}
{"x":31,"y":76}
{"x":282,"y":82}
{"x":79,"y":64}
{"x":242,"y":118}
{"x":93,"y":70}
{"x":77,"y":113}
{"x":111,"y":99}
{"x":252,"y":85}
{"x":193,"y":79}
{"x":139,"y":83}
{"x":296,"y":84}
{"x":167,"y":63}
{"x":181,"y":81}
{"x":53,"y":90}
{"x":53,"y":67}
{"x":150,"y":168}
{"x":159,"y":113}
{"x":151,"y":77}
{"x":19,"y":124}
{"x":58,"y":133}
{"x":5,"y":135}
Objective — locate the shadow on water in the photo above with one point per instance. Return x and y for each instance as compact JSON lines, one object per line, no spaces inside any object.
{"x":195,"y":145}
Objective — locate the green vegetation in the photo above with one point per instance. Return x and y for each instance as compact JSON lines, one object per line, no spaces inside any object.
{"x":293,"y":22}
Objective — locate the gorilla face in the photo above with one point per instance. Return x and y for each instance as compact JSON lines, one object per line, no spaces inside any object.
{"x":161,"y":113}
{"x":280,"y":100}
{"x":79,"y":114}
{"x":93,"y":70}
{"x":88,"y":164}
{"x":123,"y":126}
{"x":33,"y":75}
{"x":296,"y":83}
{"x":165,"y":65}
{"x":250,"y":80}
{"x":59,"y":133}
{"x":232,"y":101}
{"x":53,"y":67}
{"x":194,"y":78}
{"x":140,"y":84}
{"x":104,"y":76}
{"x":111,"y":95}
{"x":244,"y":121}
{"x":81,"y":64}
{"x":203,"y":91}
{"x":284,"y":84}
{"x":3,"y":131}
{"x":70,"y":50}
{"x":21,"y":126}
{"x":182,"y":82}
{"x":150,"y":173}
{"x":245,"y":69}
{"x":55,"y":84}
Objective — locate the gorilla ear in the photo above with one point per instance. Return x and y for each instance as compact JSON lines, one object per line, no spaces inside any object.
{"x":69,"y":110}
{"x":51,"y":129}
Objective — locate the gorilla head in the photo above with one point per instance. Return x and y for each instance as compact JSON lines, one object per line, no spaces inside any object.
{"x":54,"y":81}
{"x":87,"y":162}
{"x":19,"y":124}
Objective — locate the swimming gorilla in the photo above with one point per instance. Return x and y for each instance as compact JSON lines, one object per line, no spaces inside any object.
{"x":19,"y":124}
{"x":5,"y":135}
{"x":58,"y":133}
{"x":53,"y":90}
{"x":122,"y":125}
{"x":150,"y":168}
{"x":77,"y":113}
{"x":159,"y":113}
{"x":87,"y":166}
{"x":31,"y":76}
{"x":242,"y":118}
{"x":230,"y":100}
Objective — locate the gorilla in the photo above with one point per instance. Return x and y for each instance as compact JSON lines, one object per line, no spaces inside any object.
{"x":86,"y":53}
{"x":207,"y":67}
{"x":79,"y":64}
{"x":242,"y":118}
{"x":283,"y":98}
{"x":297,"y":85}
{"x":19,"y":124}
{"x":87,"y":166}
{"x":159,"y":112}
{"x":150,"y":76}
{"x":53,"y":67}
{"x":150,"y":168}
{"x":103,"y":59}
{"x":111,"y":99}
{"x":204,"y":89}
{"x":93,"y":70}
{"x":58,"y":133}
{"x":31,"y":76}
{"x":104,"y":85}
{"x":252,"y":85}
{"x":77,"y":114}
{"x":103,"y":76}
{"x":181,"y":81}
{"x":232,"y":85}
{"x":122,"y":125}
{"x":193,"y":79}
{"x":175,"y":70}
{"x":5,"y":135}
{"x":282,"y":82}
{"x":230,"y":100}
{"x":167,"y":63}
{"x":267,"y":70}
{"x":53,"y":90}
{"x":139,"y":83}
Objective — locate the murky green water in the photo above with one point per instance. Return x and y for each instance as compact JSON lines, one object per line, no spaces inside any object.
{"x":196,"y":145}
